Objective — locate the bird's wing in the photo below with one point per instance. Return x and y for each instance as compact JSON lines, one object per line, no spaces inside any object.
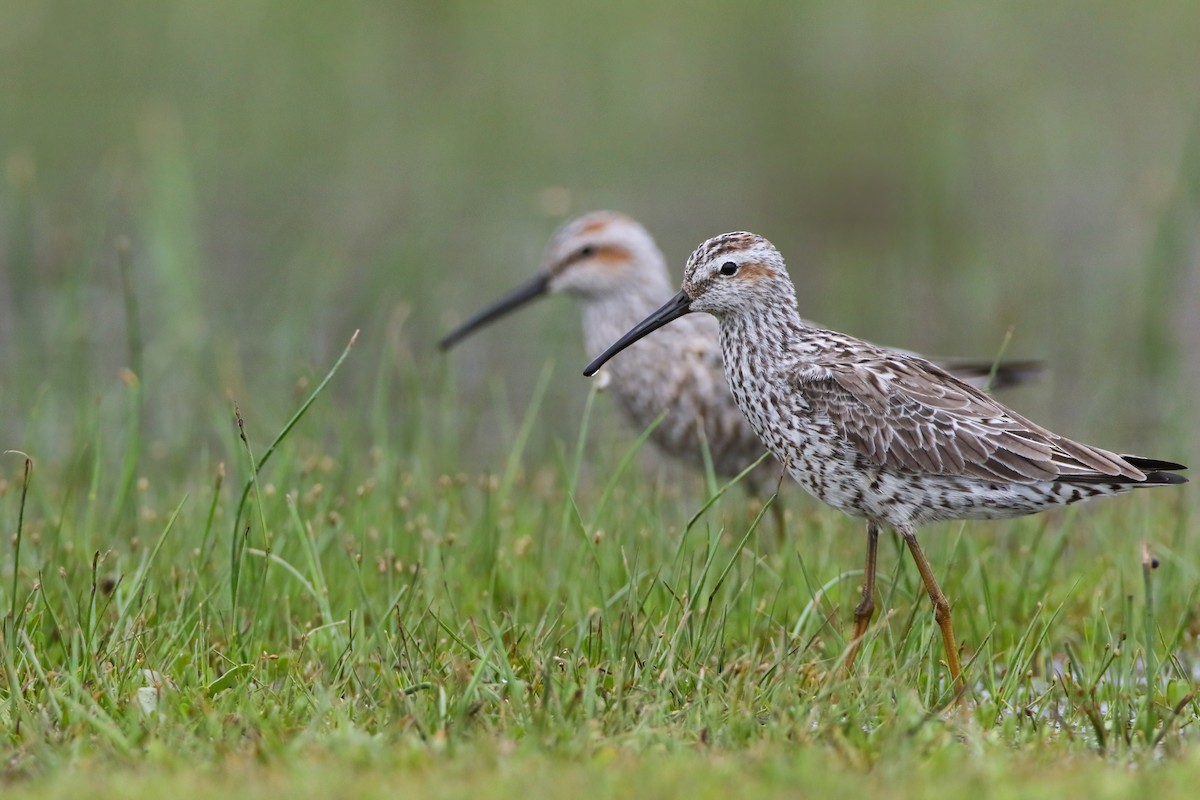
{"x":908,"y":414}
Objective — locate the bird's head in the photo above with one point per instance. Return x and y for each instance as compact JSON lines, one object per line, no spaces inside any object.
{"x":596,"y":256}
{"x":730,"y":274}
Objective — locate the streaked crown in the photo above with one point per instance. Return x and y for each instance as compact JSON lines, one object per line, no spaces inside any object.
{"x":596,"y":254}
{"x":734,"y":271}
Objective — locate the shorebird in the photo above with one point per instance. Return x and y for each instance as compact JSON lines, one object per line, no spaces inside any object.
{"x":885,"y":436}
{"x":611,"y":264}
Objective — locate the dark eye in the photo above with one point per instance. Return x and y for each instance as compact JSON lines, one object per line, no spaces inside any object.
{"x":728,"y":268}
{"x":587,"y":251}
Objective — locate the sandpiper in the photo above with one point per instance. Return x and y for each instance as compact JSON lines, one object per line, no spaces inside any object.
{"x":611,"y":264}
{"x":880,"y":435}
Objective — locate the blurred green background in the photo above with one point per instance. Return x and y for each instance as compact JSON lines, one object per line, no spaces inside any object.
{"x":285,"y":172}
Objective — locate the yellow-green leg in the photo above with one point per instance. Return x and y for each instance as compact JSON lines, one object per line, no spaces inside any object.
{"x":866,"y":607}
{"x":941,"y":607}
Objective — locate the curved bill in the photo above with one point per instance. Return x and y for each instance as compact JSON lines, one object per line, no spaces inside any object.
{"x":673,"y":309}
{"x":530,"y":290}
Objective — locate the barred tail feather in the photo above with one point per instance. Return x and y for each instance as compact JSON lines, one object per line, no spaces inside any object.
{"x":1157,"y":472}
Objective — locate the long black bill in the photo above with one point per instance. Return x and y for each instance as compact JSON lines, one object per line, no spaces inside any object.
{"x":520,"y":296}
{"x":673,"y":309}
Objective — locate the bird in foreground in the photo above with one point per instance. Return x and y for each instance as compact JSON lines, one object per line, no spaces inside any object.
{"x":881,"y":435}
{"x":611,"y":264}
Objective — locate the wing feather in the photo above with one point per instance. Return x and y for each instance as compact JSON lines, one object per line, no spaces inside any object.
{"x":908,"y":414}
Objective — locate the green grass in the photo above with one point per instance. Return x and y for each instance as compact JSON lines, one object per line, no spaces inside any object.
{"x":460,"y":576}
{"x":388,"y":613}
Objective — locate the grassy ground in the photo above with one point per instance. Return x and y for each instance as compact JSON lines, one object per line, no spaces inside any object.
{"x":461,"y":577}
{"x":378,"y":614}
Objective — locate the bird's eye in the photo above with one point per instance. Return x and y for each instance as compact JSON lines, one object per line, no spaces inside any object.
{"x":587,"y":251}
{"x":728,"y":268}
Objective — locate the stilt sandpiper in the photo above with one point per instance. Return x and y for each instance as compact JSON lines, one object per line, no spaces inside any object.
{"x":881,"y":435}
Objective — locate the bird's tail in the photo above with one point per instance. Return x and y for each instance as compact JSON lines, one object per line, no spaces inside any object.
{"x":990,"y":375}
{"x":1157,"y":472}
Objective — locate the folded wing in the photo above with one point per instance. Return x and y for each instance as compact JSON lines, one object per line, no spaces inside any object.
{"x":908,"y":414}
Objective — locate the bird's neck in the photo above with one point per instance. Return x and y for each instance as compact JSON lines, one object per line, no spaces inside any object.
{"x":765,"y":335}
{"x":608,"y":317}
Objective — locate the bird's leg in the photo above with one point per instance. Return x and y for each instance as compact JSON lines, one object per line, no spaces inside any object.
{"x":778,"y":515}
{"x":941,"y":607}
{"x":755,"y":489}
{"x":866,"y":607}
{"x":777,"y":504}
